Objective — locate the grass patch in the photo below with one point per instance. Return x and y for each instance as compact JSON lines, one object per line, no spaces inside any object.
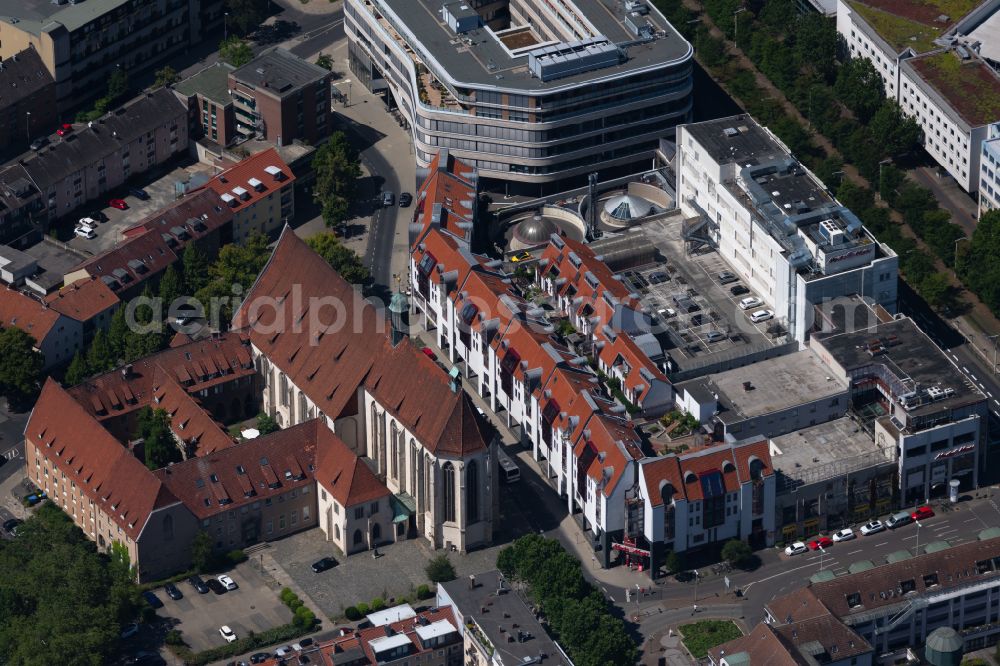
{"x":900,"y":32}
{"x":699,"y":637}
{"x":970,"y":86}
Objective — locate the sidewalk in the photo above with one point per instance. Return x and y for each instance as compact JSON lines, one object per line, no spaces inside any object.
{"x":665,"y":641}
{"x":277,"y":578}
{"x":9,"y":501}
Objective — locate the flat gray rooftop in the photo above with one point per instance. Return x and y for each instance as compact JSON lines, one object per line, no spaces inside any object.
{"x":777,"y":384}
{"x":33,"y":15}
{"x":905,"y":351}
{"x":487,"y":63}
{"x":279,"y":71}
{"x":211,"y":82}
{"x":747,"y":144}
{"x":825,"y":450}
{"x":506,"y":610}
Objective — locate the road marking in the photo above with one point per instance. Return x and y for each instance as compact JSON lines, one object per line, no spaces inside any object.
{"x":855,"y":551}
{"x":966,"y":370}
{"x":782,"y":573}
{"x":996,"y":401}
{"x":970,"y":520}
{"x":973,"y":377}
{"x":881,"y":544}
{"x":955,"y":529}
{"x":989,"y":394}
{"x":912,"y":536}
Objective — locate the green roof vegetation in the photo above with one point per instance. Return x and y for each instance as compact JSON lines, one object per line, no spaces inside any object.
{"x":913,"y":24}
{"x":700,"y":637}
{"x":970,"y":86}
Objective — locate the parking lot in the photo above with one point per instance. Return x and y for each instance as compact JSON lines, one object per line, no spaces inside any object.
{"x":252,"y":607}
{"x":161,"y":193}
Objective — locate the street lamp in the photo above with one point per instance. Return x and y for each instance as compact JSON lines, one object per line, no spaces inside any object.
{"x":917,"y":551}
{"x":225,"y":26}
{"x":736,"y":26}
{"x":697,"y":579}
{"x":27,"y":125}
{"x":822,"y":554}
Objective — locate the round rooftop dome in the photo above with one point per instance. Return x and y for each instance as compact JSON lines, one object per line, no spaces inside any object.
{"x":627,"y":207}
{"x":535,"y":230}
{"x":944,"y":639}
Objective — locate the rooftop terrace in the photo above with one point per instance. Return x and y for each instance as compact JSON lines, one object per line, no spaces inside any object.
{"x":971,"y":86}
{"x":912,"y":24}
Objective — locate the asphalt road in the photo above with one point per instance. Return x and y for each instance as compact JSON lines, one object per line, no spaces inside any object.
{"x":378,"y":256}
{"x":320,"y":36}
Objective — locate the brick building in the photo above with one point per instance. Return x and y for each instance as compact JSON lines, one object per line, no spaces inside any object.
{"x":27,"y":101}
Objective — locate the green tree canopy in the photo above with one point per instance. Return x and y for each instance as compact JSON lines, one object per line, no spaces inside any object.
{"x":171,"y":287}
{"x":195,"y":267}
{"x":233,"y":273}
{"x":245,"y":15}
{"x":117,"y":335}
{"x":266,"y":424}
{"x":153,"y":427}
{"x":201,"y":551}
{"x":981,"y":270}
{"x":440,"y":569}
{"x":165,"y":77}
{"x":77,"y":370}
{"x":235,"y":51}
{"x":736,"y":552}
{"x":344,"y":260}
{"x":860,"y":87}
{"x":325,"y":60}
{"x":337,"y":165}
{"x":20,"y":367}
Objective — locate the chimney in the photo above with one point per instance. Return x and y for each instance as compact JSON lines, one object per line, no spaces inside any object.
{"x":472,"y":581}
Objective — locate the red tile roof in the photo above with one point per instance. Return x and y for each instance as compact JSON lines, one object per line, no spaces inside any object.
{"x":131,"y":263}
{"x":83,"y":300}
{"x":27,"y":314}
{"x":234,"y":185}
{"x":604,"y":447}
{"x":624,"y":348}
{"x":247,"y":472}
{"x":330,"y":363}
{"x":344,"y":475}
{"x":450,"y":185}
{"x":733,"y":462}
{"x":188,"y":420}
{"x":763,"y":645}
{"x":573,"y":261}
{"x":191,"y":217}
{"x":103,"y":469}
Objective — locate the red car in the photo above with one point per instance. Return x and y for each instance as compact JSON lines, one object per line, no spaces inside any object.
{"x":65,"y":129}
{"x":429,"y":353}
{"x":821,"y":542}
{"x":922,"y":513}
{"x":118,"y":203}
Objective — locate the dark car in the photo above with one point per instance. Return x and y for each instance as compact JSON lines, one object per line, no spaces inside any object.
{"x":658,"y":277}
{"x":40,"y":143}
{"x":725,"y":277}
{"x":139,"y":193}
{"x":152,"y":599}
{"x":739,"y":290}
{"x":97,"y":215}
{"x":172,"y":591}
{"x":198,"y":584}
{"x":259,"y":658}
{"x":405,"y":199}
{"x":322,"y":565}
{"x":10,"y":526}
{"x":215,"y":586}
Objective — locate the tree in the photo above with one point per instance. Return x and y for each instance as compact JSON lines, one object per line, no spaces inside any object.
{"x":233,"y":273}
{"x":325,"y":60}
{"x":736,"y":552}
{"x":20,"y":366}
{"x":895,"y":132}
{"x":117,"y":336}
{"x":246,"y":14}
{"x":440,"y":569}
{"x":153,"y":427}
{"x":201,"y":551}
{"x":936,"y":291}
{"x":171,"y":287}
{"x":981,"y":269}
{"x":165,"y":77}
{"x":859,"y":86}
{"x":148,"y":336}
{"x":235,"y":51}
{"x":77,"y":370}
{"x":344,"y":260}
{"x":337,"y":165}
{"x":195,"y":266}
{"x":117,"y":85}
{"x":672,"y":562}
{"x":266,"y":425}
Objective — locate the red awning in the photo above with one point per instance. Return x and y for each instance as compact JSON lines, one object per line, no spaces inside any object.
{"x":631,"y":550}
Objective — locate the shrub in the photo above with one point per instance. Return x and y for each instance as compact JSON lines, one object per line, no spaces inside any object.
{"x":440,"y":569}
{"x":352,"y":613}
{"x":295,"y":604}
{"x":173,"y":637}
{"x":424,"y":592}
{"x":236,"y":556}
{"x":378,"y":603}
{"x":287,"y":595}
{"x":304,"y":617}
{"x":362,"y":609}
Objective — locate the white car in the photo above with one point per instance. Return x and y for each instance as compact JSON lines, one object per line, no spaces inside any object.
{"x":667,"y":313}
{"x":282,"y":652}
{"x":845,"y":534}
{"x":87,"y":222}
{"x":750,"y":302}
{"x":872,"y":527}
{"x":227,"y":633}
{"x":761,"y":315}
{"x":796,"y":548}
{"x":227,"y":582}
{"x":84,"y":232}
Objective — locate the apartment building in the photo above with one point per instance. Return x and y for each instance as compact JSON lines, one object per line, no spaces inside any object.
{"x":280,"y":97}
{"x":448,"y":196}
{"x":259,"y":191}
{"x":989,"y":171}
{"x":779,"y":228}
{"x":210,"y":103}
{"x":27,"y":102}
{"x":88,"y":301}
{"x":81,"y":43}
{"x":934,"y":65}
{"x":530,"y":94}
{"x":57,"y":337}
{"x":87,"y":163}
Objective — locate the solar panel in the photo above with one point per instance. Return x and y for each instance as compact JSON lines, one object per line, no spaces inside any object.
{"x":712,"y":485}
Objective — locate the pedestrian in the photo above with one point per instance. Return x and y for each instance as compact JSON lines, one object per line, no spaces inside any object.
{"x":695,"y":610}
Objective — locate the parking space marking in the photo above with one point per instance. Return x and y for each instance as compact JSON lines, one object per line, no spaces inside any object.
{"x":881,"y":544}
{"x":854,"y":552}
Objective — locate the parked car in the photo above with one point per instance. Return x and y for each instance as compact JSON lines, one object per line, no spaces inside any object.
{"x":198,"y":584}
{"x":658,"y":276}
{"x":845,"y":534}
{"x":521,"y":256}
{"x":85,"y":232}
{"x":130,"y":630}
{"x":10,"y":526}
{"x":304,"y":643}
{"x":698,"y":320}
{"x":40,"y":143}
{"x":725,"y":277}
{"x":405,"y":199}
{"x":98,"y":215}
{"x":87,"y":222}
{"x":750,"y":302}
{"x":667,"y":313}
{"x":872,"y":527}
{"x":35,"y":498}
{"x":172,"y":591}
{"x":715,"y":336}
{"x":739,"y":290}
{"x":761,"y":315}
{"x":227,"y":633}
{"x":922,"y":513}
{"x":139,"y":193}
{"x":322,"y":565}
{"x":152,"y":599}
{"x":215,"y":586}
{"x":283,"y":651}
{"x":120,"y":204}
{"x":796,"y":548}
{"x":259,"y":657}
{"x":64,"y":129}
{"x":388,"y":199}
{"x":900,"y":519}
{"x":820,"y":542}
{"x":227,"y":582}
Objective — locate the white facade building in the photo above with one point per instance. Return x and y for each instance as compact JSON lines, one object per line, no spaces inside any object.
{"x":989,"y":171}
